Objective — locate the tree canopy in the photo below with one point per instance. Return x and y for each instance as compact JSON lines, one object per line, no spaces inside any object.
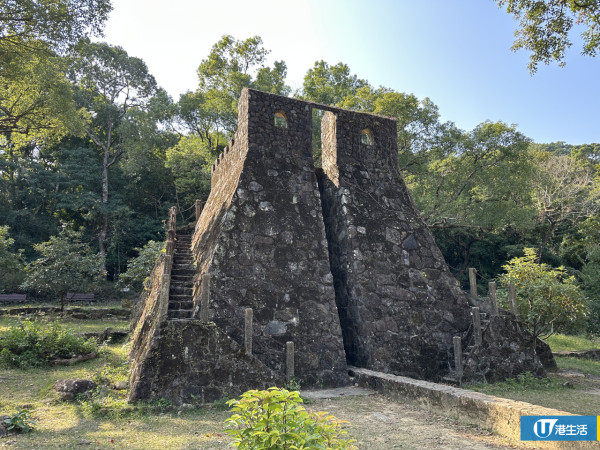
{"x":545,"y":26}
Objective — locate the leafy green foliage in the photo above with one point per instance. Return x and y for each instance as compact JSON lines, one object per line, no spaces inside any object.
{"x":11,"y":263}
{"x":20,"y":422}
{"x":59,"y":23}
{"x":35,"y":96}
{"x":548,"y":299}
{"x":66,"y":265}
{"x":139,"y":267}
{"x":35,"y":344}
{"x":190,"y":162}
{"x":275,"y":419}
{"x":544,"y":27}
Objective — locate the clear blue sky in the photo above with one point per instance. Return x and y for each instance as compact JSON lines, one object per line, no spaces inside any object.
{"x":456,"y":52}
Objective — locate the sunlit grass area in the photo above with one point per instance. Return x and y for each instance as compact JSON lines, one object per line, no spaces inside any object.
{"x":563,"y":342}
{"x":576,"y":392}
{"x":77,"y":326}
{"x":105,"y":419}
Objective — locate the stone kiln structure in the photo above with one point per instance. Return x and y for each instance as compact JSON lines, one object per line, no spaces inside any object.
{"x":335,"y":260}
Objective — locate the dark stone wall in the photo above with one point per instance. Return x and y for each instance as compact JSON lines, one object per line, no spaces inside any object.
{"x":269,"y":251}
{"x":504,"y":353}
{"x":191,"y":360}
{"x":399,"y":304}
{"x":338,"y":262}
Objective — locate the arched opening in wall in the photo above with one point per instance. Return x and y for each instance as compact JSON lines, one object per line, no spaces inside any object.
{"x":281,"y":119}
{"x":366,"y":137}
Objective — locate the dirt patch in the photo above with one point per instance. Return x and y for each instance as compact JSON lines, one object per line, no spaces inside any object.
{"x":380,"y":423}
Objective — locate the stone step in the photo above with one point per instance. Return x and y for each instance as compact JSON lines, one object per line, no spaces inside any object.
{"x":183,"y":272}
{"x":181,"y":288}
{"x":181,"y":263}
{"x":181,"y":305}
{"x":180,"y":314}
{"x":182,"y":278}
{"x":181,"y":298}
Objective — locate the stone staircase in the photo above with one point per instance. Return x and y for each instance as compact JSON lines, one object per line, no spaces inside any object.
{"x":181,"y":302}
{"x":453,"y":377}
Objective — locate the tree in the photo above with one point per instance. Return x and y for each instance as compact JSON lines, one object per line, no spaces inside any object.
{"x":110,"y":85}
{"x":66,"y":265}
{"x":475,"y":184}
{"x":11,"y":263}
{"x":544,"y":27}
{"x":548,"y":299}
{"x":564,"y":192}
{"x":35,"y":97}
{"x":140,"y":266}
{"x":190,"y":162}
{"x":330,"y":84}
{"x":231,"y":65}
{"x":58,"y":23}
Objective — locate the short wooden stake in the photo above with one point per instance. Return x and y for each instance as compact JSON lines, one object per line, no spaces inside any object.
{"x":204,"y":297}
{"x":493,"y":298}
{"x":473,"y":281}
{"x":248,"y":331}
{"x":198,"y":209}
{"x":289,"y":360}
{"x":476,"y":324}
{"x":458,"y":363}
{"x":512,"y":298}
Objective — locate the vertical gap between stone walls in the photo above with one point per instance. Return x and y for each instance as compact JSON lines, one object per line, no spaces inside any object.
{"x":337,"y":240}
{"x":317,"y":116}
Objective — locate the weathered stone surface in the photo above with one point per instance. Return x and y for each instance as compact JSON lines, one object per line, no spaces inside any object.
{"x":504,"y":353}
{"x":336,"y":261}
{"x":68,"y":389}
{"x":399,"y":305}
{"x":197,"y":361}
{"x":262,"y":239}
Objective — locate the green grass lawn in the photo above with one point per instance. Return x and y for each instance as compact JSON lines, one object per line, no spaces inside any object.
{"x":77,"y":326}
{"x":576,"y":393}
{"x":105,"y":419}
{"x":562,"y":342}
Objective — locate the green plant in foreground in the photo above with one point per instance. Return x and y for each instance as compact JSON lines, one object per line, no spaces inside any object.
{"x":275,"y":419}
{"x":20,"y":422}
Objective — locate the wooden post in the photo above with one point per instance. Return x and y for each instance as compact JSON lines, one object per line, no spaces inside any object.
{"x":204,"y":297}
{"x":512,"y":297}
{"x":198,"y":209}
{"x":248,"y":331}
{"x":289,"y":360}
{"x":473,"y":281}
{"x":458,"y":363}
{"x":476,"y":324}
{"x":493,"y":298}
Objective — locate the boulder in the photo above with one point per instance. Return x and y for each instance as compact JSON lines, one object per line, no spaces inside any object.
{"x":68,"y":389}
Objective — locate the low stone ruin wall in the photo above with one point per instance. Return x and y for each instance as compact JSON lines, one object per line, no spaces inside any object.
{"x":500,"y":415}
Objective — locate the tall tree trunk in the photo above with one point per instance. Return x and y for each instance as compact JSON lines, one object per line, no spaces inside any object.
{"x":547,"y":235}
{"x":104,"y":230}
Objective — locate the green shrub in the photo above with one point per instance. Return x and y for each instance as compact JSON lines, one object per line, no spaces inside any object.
{"x":20,"y":422}
{"x":36,"y":344}
{"x":548,"y":299}
{"x":274,"y":419}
